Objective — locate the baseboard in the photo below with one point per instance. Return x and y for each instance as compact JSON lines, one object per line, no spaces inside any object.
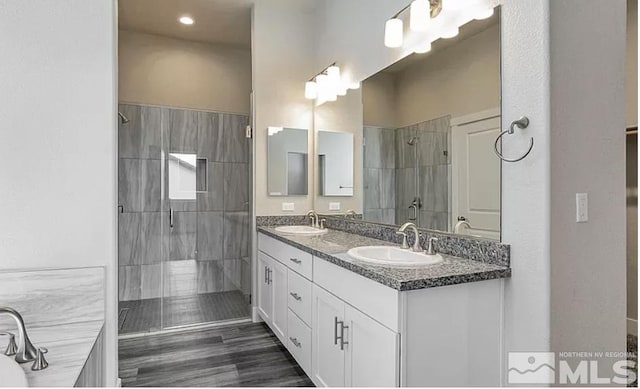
{"x":632,"y":326}
{"x":255,"y":316}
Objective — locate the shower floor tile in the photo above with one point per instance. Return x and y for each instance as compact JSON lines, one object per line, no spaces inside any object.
{"x":155,"y":314}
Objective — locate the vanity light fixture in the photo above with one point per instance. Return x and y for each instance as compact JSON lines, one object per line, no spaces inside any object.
{"x":186,"y":20}
{"x":311,"y":90}
{"x":393,"y":33}
{"x":423,"y":47}
{"x":438,"y":18}
{"x":420,"y":15}
{"x":328,"y":85}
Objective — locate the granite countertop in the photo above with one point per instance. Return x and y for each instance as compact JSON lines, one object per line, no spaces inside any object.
{"x":333,"y":247}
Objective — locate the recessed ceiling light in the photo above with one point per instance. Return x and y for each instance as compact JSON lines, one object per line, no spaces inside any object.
{"x":188,"y":20}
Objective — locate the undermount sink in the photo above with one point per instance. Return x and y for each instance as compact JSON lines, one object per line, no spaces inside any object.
{"x":390,"y":255}
{"x":300,"y":230}
{"x":12,"y":373}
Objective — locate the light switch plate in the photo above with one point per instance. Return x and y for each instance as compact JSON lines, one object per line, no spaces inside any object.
{"x":288,"y":207}
{"x":334,"y":206}
{"x":582,"y":208}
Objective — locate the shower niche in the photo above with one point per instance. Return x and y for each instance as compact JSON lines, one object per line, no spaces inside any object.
{"x":183,"y":228}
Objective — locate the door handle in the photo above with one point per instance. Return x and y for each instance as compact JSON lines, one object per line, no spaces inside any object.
{"x":171,"y":217}
{"x":269,"y":279}
{"x":335,"y":330}
{"x":295,"y":260}
{"x":295,"y":296}
{"x":266,"y":275}
{"x":342,"y":341}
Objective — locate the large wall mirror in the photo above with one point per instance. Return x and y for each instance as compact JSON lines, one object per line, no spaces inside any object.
{"x":430,"y":121}
{"x":288,"y":161}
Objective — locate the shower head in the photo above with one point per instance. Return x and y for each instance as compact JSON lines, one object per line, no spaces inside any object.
{"x":413,"y":141}
{"x":123,"y":118}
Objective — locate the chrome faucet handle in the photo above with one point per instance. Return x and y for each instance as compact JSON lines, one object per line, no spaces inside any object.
{"x":40,"y":363}
{"x":431,"y":250}
{"x":12,"y":347}
{"x":405,"y":244}
{"x":322,"y":221}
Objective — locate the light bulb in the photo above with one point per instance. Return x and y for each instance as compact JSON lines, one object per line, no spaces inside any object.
{"x":310,"y":90}
{"x":343,"y":86}
{"x":393,"y":33}
{"x":420,"y":15}
{"x":322,"y":81}
{"x":449,"y":31}
{"x":423,"y":47}
{"x":186,"y":20}
{"x":483,"y":12}
{"x":354,"y":85}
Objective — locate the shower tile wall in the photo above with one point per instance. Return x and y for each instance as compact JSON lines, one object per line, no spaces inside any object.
{"x":434,"y":163}
{"x":207,"y":250}
{"x":389,"y":173}
{"x":379,"y":175}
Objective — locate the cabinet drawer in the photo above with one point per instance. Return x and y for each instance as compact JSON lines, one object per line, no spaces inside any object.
{"x":299,"y":342}
{"x":295,"y":259}
{"x":299,"y":296}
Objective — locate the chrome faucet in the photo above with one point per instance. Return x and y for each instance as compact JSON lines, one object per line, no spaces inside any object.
{"x":350,"y":212}
{"x":26,"y":350}
{"x":416,"y":244}
{"x":431,"y":250}
{"x":313,"y":215}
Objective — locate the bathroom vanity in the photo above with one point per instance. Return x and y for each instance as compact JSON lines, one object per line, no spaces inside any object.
{"x":350,"y":323}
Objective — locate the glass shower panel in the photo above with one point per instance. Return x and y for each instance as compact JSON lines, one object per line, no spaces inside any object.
{"x":140,"y":229}
{"x":206,"y":266}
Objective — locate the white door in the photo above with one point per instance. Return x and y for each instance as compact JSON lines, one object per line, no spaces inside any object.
{"x":328,"y":359}
{"x":265,"y":300}
{"x":372,"y":355}
{"x":475,"y":173}
{"x":278,"y":283}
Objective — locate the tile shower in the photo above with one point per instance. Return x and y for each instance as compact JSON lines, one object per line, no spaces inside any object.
{"x":390,"y":179}
{"x":184,"y":179}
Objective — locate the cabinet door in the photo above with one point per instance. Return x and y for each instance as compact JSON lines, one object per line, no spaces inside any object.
{"x":328,"y":368}
{"x":372,"y":357}
{"x":278,"y":284}
{"x":265,"y":300}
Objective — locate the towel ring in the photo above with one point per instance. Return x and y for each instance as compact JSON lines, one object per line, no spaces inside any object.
{"x":521,"y":123}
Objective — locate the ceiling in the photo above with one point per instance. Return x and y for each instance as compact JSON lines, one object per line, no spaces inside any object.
{"x":225,"y":22}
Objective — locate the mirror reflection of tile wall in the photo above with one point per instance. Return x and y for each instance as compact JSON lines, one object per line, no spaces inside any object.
{"x":391,"y":159}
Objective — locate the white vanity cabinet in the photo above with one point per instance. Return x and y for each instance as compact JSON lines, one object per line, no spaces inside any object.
{"x":350,"y":348}
{"x":347,"y":330}
{"x":272,"y":295}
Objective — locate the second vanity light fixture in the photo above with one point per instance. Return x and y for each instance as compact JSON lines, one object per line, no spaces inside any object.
{"x":430,"y":20}
{"x":328,"y":85}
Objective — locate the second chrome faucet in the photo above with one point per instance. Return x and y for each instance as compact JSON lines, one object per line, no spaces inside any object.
{"x":416,"y":243}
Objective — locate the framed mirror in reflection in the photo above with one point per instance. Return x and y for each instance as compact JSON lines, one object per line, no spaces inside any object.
{"x":288,"y":162}
{"x":335,"y":163}
{"x":430,"y":121}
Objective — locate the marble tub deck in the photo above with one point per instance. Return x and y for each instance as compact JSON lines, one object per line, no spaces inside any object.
{"x":69,"y":346}
{"x":333,"y":247}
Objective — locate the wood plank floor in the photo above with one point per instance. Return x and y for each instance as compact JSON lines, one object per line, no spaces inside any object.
{"x":154,"y":314}
{"x":235,"y":355}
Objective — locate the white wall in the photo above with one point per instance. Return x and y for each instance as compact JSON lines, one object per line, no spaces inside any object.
{"x":282,"y":59}
{"x":588,"y":260}
{"x":58,"y":141}
{"x":157,"y":70}
{"x":379,"y":101}
{"x":459,"y":80}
